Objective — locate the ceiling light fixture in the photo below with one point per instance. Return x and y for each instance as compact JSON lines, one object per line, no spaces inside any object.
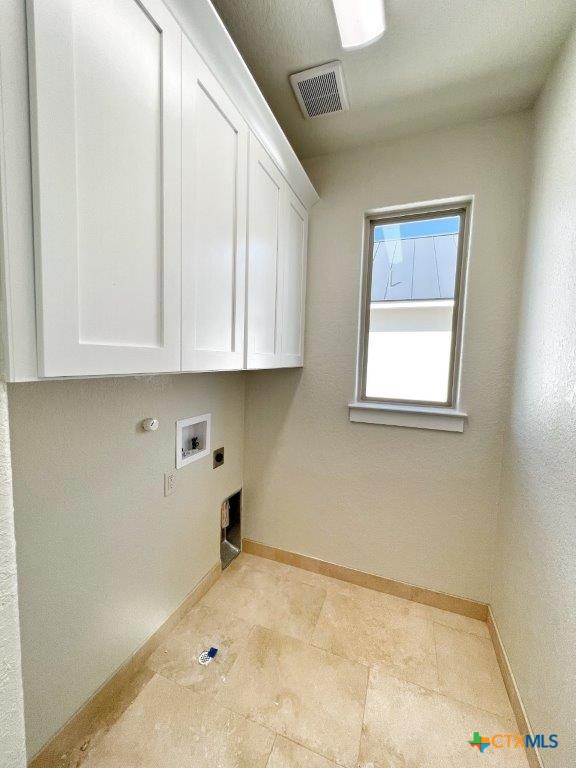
{"x":360,"y":22}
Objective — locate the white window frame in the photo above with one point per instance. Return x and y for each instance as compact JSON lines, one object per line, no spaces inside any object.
{"x":448,"y":416}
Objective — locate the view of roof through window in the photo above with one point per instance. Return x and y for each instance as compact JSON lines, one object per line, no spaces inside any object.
{"x":415,"y":260}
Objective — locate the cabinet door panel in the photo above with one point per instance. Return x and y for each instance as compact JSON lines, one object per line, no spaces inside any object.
{"x":105,"y":88}
{"x":293,"y":248}
{"x":265,"y":205}
{"x":215,"y":181}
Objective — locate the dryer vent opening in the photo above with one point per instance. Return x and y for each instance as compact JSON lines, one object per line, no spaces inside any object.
{"x":230,"y":528}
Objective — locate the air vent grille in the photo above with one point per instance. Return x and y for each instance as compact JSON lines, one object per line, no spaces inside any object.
{"x":320,"y":94}
{"x":320,"y":91}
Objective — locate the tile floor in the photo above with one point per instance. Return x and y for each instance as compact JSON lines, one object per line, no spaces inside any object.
{"x":312,"y":672}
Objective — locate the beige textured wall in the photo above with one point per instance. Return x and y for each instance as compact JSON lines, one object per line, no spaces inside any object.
{"x":103,"y":557}
{"x":534,"y":598}
{"x":12,"y":744}
{"x":414,"y":505}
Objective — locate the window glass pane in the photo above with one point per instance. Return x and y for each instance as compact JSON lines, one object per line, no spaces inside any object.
{"x":413,"y":289}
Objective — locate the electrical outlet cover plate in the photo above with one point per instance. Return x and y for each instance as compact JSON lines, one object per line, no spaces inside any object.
{"x":192,"y":439}
{"x":169,"y":482}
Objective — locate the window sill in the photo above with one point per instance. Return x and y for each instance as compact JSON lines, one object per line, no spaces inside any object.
{"x":415,"y":416}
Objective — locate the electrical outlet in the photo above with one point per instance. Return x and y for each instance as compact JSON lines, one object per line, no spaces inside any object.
{"x":169,"y":482}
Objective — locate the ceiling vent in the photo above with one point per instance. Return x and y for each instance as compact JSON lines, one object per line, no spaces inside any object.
{"x":320,"y":90}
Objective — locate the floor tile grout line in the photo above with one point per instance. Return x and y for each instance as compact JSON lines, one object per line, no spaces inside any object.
{"x":188,"y":687}
{"x":242,"y":618}
{"x":472,"y":706}
{"x":462,"y":631}
{"x":365,"y":665}
{"x":248,"y":719}
{"x":274,"y":740}
{"x":313,"y":751}
{"x":213,"y":696}
{"x":438,"y":692}
{"x":306,"y":640}
{"x":364,"y":714}
{"x":252,"y":720}
{"x":368,"y":664}
{"x":310,"y":643}
{"x":298,"y":569}
{"x":500,"y":677}
{"x":436,"y":653}
{"x":244,"y":716}
{"x":341,"y":657}
{"x":406,"y":603}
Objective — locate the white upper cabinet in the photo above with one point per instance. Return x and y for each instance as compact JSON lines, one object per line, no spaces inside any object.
{"x":214,"y":208}
{"x":106,"y":108}
{"x":265,"y":204}
{"x":293,"y":252}
{"x":144,"y":227}
{"x":277,"y":241}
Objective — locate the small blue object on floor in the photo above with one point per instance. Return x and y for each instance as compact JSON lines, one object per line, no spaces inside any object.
{"x":206,"y":656}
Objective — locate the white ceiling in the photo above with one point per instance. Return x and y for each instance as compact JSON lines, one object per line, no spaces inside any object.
{"x":439,"y":62}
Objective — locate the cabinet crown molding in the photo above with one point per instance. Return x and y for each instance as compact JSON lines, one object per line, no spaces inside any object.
{"x":200,"y":22}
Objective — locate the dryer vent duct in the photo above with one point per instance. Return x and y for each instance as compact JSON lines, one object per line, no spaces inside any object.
{"x":320,"y":90}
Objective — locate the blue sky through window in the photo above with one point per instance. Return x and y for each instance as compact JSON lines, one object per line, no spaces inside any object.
{"x":445,"y":226}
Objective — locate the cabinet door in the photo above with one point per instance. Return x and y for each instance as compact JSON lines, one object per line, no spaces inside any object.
{"x":105,"y":92}
{"x":264,"y":216}
{"x":292,"y":293}
{"x":214,"y":206}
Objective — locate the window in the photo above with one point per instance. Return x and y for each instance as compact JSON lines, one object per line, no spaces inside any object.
{"x":411,"y":321}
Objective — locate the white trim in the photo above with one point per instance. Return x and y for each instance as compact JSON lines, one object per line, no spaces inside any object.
{"x":410,"y":304}
{"x":415,"y":416}
{"x":181,"y":424}
{"x":421,"y":206}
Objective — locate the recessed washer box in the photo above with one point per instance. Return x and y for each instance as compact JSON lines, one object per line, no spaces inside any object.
{"x":192,"y":439}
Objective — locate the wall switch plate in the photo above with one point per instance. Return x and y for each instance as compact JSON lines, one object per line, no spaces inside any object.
{"x":169,"y":482}
{"x":218,"y":458}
